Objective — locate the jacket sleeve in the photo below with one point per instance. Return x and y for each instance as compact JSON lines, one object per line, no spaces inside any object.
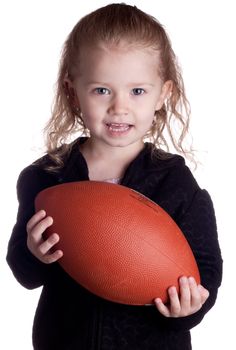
{"x":198,"y":224}
{"x":28,"y":270}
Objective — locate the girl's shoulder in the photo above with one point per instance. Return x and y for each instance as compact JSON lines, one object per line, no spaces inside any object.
{"x":158,"y":160}
{"x":170,"y":172}
{"x":42,"y":173}
{"x":34,"y":178}
{"x":44,"y":168}
{"x":37,"y":170}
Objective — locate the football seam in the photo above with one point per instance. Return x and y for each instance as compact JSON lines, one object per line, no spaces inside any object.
{"x":180,"y":267}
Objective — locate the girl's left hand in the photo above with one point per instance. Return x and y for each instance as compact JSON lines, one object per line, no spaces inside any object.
{"x":190,"y":300}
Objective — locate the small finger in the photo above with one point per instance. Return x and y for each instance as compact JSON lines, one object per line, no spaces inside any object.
{"x":35,"y":219}
{"x":40,"y":228}
{"x":51,"y":258}
{"x":185,"y":295}
{"x":195,"y":294}
{"x":161,"y":307}
{"x":204,"y":293}
{"x":47,"y":245}
{"x":175,"y":307}
{"x":196,"y":301}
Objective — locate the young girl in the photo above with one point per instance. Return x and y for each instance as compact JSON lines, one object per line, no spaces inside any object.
{"x":120,"y":88}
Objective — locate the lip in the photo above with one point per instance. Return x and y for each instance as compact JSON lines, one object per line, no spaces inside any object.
{"x":118,"y":128}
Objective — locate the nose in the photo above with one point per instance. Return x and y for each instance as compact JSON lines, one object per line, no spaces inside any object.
{"x":119,"y":105}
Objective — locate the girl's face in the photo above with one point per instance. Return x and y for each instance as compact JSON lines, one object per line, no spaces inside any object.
{"x":118,"y":91}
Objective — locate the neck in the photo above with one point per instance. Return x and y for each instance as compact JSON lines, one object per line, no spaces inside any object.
{"x":97,"y":151}
{"x":108,"y":162}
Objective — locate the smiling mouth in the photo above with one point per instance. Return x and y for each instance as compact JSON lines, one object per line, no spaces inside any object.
{"x":118,"y":127}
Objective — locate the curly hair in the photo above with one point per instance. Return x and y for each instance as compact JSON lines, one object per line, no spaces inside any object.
{"x":108,"y":26}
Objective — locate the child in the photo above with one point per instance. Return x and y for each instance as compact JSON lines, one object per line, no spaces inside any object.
{"x":119,"y":85}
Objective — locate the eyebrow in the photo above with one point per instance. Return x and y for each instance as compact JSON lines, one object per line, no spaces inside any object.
{"x":141,"y":84}
{"x":131,"y":84}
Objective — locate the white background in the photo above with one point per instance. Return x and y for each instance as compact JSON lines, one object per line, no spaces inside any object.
{"x":203,"y":37}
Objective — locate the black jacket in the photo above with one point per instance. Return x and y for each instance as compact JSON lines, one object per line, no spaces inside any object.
{"x":68,"y":317}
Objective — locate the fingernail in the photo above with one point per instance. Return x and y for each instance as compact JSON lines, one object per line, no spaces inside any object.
{"x":158,"y":301}
{"x":183,"y":280}
{"x":191,"y":280}
{"x":172,"y":290}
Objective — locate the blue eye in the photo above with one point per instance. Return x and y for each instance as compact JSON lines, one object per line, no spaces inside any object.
{"x":138,"y":91}
{"x":102,"y":91}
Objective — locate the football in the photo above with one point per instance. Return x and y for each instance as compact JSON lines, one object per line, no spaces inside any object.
{"x":117,"y":243}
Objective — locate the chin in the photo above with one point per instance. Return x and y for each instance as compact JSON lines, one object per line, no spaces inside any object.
{"x":126,"y":143}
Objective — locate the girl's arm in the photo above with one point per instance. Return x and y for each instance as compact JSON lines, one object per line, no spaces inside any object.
{"x":28,"y":270}
{"x":199,"y":226}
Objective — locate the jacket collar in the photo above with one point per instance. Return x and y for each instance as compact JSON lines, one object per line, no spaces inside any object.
{"x":76,"y":168}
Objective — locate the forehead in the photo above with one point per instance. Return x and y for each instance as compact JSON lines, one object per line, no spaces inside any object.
{"x":131,"y":61}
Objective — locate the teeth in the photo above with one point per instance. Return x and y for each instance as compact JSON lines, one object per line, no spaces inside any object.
{"x":118,"y":127}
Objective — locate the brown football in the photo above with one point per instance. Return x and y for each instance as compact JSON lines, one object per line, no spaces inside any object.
{"x":116,"y":242}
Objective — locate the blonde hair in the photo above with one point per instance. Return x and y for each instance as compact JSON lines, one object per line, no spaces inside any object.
{"x":109,"y":25}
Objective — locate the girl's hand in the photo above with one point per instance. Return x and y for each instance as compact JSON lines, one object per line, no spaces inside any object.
{"x":39,"y":247}
{"x":191,"y":299}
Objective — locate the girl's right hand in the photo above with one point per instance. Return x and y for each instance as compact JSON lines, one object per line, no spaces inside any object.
{"x":39,"y":247}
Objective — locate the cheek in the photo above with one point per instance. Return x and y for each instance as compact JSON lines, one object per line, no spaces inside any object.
{"x":91,"y":106}
{"x":91,"y":116}
{"x":88,"y":119}
{"x":146,"y":120}
{"x":87,"y":111}
{"x":149,"y":122}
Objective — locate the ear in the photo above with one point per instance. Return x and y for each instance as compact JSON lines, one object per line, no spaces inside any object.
{"x":71,"y":92}
{"x":165,"y":93}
